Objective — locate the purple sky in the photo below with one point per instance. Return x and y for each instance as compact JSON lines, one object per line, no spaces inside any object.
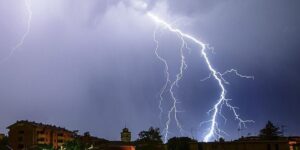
{"x":90,"y":64}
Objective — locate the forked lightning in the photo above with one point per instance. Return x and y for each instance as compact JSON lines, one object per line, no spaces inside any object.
{"x":222,"y":101}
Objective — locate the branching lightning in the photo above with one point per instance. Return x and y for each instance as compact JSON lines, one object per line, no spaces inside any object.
{"x":166,"y":71}
{"x":214,"y":130}
{"x":21,"y":42}
{"x":172,"y":85}
{"x":174,"y":109}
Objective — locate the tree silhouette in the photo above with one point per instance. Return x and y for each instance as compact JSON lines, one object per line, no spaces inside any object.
{"x":149,"y":140}
{"x":42,"y":147}
{"x":4,"y":143}
{"x":75,"y":144}
{"x":152,"y":135}
{"x":221,"y":140}
{"x":269,"y":132}
{"x":86,"y":134}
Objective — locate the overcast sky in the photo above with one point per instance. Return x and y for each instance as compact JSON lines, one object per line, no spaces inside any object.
{"x":90,"y":65}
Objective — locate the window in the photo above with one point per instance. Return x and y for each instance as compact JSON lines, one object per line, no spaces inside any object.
{"x":60,"y":134}
{"x":40,"y":132}
{"x":21,"y":132}
{"x":20,"y":139}
{"x":21,"y":146}
{"x":60,"y":141}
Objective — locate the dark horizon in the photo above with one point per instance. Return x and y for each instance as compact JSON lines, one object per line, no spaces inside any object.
{"x":91,"y":66}
{"x":88,"y":133}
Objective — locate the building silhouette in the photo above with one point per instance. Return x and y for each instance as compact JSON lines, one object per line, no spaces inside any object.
{"x":126,"y":135}
{"x":27,"y":135}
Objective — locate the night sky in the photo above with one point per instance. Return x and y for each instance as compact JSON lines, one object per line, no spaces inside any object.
{"x":89,"y":65}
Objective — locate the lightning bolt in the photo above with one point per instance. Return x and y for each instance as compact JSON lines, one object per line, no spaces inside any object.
{"x":172,"y":85}
{"x":21,"y":42}
{"x":214,"y":130}
{"x":166,"y":71}
{"x":174,"y":109}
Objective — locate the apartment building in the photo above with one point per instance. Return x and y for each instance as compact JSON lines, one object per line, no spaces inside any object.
{"x":26,"y":135}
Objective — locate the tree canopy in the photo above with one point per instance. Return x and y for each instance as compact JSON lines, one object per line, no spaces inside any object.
{"x":269,"y":132}
{"x":43,"y":147}
{"x":4,"y":144}
{"x":75,"y":145}
{"x":152,"y":135}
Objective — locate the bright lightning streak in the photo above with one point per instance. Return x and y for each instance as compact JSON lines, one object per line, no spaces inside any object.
{"x":214,"y":129}
{"x":166,"y":71}
{"x":171,"y":91}
{"x":21,"y":42}
{"x":174,"y":83}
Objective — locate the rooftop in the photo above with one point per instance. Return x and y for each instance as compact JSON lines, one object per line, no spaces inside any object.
{"x":32,"y":123}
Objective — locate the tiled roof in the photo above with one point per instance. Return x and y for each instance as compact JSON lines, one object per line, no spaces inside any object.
{"x":38,"y":125}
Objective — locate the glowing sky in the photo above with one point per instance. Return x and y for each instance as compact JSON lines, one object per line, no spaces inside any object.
{"x":90,"y":65}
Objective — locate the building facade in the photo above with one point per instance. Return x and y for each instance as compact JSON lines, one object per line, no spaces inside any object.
{"x":294,"y":142}
{"x":26,"y":135}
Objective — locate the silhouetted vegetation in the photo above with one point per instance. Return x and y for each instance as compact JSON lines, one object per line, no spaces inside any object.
{"x":75,"y":144}
{"x":149,"y":140}
{"x":43,"y":147}
{"x":269,"y":132}
{"x":152,"y":135}
{"x":179,"y":143}
{"x":4,"y":143}
{"x":221,"y":140}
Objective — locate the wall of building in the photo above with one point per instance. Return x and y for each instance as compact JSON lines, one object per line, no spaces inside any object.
{"x":27,"y":135}
{"x":21,"y":136}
